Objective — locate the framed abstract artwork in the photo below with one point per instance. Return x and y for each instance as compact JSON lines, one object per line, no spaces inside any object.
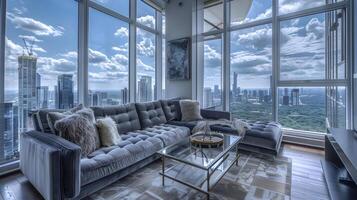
{"x":178,"y":59}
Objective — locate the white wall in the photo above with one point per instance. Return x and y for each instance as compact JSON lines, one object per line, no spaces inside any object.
{"x":178,"y":25}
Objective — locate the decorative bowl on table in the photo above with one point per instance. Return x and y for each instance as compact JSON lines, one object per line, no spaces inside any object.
{"x":207,"y":140}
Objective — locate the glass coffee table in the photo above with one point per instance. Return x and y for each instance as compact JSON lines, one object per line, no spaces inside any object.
{"x":197,"y":167}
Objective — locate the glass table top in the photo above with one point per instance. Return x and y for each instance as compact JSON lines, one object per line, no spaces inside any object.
{"x":204,"y":158}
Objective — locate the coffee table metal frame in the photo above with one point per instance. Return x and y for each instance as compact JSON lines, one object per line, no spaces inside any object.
{"x":209,"y":169}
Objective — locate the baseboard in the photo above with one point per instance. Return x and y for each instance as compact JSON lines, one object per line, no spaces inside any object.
{"x":305,"y":141}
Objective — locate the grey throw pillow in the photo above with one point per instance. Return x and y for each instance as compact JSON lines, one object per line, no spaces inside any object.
{"x":190,"y":110}
{"x":108,"y":132}
{"x":79,"y":130}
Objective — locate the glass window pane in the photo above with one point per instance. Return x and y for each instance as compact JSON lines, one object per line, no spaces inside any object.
{"x":212,"y":73}
{"x":145,"y":66}
{"x":120,"y":6}
{"x":303,"y":108}
{"x":336,"y":106}
{"x":251,"y":73}
{"x":108,"y":60}
{"x":40,"y":65}
{"x":145,"y":14}
{"x":302,"y":50}
{"x":213,"y":15}
{"x":289,"y":6}
{"x":243,"y":11}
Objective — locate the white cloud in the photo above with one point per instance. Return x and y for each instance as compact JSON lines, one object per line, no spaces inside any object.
{"x":144,"y":67}
{"x":34,"y":26}
{"x":120,"y":49}
{"x":30,"y":38}
{"x":288,"y":6}
{"x":117,"y":62}
{"x":70,"y":55}
{"x":147,"y":20}
{"x":122,"y":32}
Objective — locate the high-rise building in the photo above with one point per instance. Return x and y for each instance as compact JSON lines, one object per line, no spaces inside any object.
{"x":65,"y":91}
{"x":235,"y":85}
{"x":207,"y":97}
{"x":27,"y":88}
{"x":286,"y":97}
{"x":216,"y":92}
{"x":9,"y":128}
{"x":295,"y":97}
{"x":145,"y":89}
{"x":124,"y":96}
{"x":42,"y":97}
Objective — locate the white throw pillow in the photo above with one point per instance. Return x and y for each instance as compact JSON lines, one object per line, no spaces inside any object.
{"x":190,"y":110}
{"x":108,"y":132}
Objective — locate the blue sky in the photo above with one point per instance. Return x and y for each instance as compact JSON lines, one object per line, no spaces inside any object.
{"x":52,"y":25}
{"x":302,"y":47}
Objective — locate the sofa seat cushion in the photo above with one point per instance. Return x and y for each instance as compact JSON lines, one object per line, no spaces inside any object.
{"x":133,"y":148}
{"x":189,"y":125}
{"x":167,"y":133}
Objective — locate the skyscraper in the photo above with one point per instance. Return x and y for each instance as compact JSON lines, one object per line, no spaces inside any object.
{"x":207,"y":97}
{"x":235,"y":85}
{"x":216,"y":92}
{"x":42,"y":97}
{"x":145,"y":89}
{"x":9,"y":128}
{"x":295,"y":97}
{"x":65,"y":91}
{"x":27,"y":88}
{"x":124,"y":96}
{"x":286,"y":97}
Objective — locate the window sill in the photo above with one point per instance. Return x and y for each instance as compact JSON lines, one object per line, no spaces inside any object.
{"x":9,"y":167}
{"x":305,"y":138}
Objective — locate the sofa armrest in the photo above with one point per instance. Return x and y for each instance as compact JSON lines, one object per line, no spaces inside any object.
{"x":214,"y":114}
{"x":51,"y":163}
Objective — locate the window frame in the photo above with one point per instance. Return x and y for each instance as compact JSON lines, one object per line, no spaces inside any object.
{"x":275,"y":20}
{"x":82,"y":50}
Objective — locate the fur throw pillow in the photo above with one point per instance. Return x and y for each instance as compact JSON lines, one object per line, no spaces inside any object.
{"x":190,"y":110}
{"x":108,"y":132}
{"x":53,"y":117}
{"x":79,"y":130}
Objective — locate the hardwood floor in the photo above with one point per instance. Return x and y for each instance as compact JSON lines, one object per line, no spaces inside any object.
{"x":307,"y":177}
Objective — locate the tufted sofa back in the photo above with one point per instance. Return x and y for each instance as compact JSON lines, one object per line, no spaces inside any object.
{"x":150,"y":114}
{"x":171,"y":109}
{"x":125,"y":116}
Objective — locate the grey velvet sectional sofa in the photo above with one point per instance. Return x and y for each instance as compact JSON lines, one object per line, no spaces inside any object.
{"x":54,"y":165}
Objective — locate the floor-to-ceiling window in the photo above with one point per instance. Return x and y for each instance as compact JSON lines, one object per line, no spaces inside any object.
{"x":59,"y":54}
{"x":108,"y":59}
{"x":146,"y":53}
{"x":40,"y":65}
{"x":283,"y":60}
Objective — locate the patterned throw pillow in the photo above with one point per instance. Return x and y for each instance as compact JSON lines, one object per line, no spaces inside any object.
{"x":79,"y":130}
{"x":108,"y":132}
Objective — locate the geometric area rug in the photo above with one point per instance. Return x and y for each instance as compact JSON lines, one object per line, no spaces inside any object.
{"x":256,"y":177}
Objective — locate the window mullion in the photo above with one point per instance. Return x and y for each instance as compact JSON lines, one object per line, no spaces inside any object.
{"x":132,"y":52}
{"x":275,"y":60}
{"x":83,"y":51}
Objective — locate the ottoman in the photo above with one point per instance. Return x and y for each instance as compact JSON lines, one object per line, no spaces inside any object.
{"x":262,"y":137}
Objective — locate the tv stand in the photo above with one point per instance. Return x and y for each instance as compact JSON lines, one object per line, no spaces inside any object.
{"x":340,"y":164}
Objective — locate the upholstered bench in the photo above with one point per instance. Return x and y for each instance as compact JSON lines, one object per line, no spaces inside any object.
{"x":262,"y":137}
